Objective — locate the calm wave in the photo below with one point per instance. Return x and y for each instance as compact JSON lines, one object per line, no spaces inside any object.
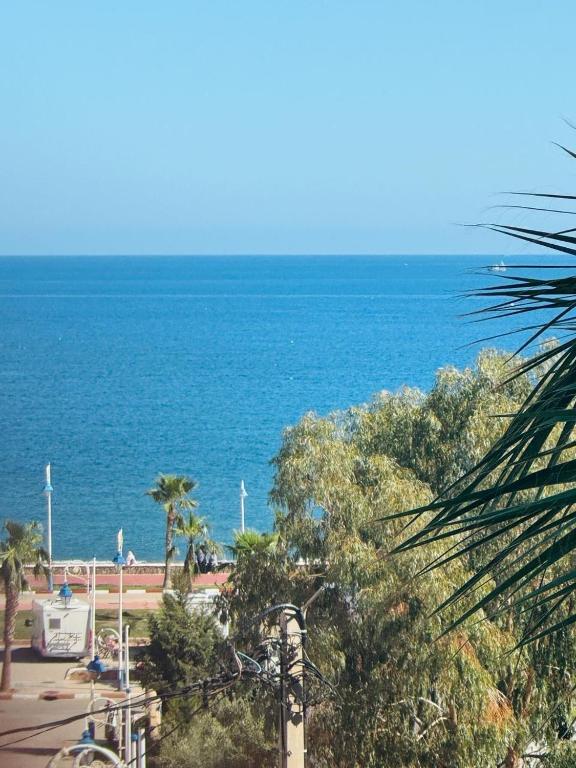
{"x":115,"y":369}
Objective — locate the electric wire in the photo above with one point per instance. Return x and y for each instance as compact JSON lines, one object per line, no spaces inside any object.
{"x":203,"y":706}
{"x":209,"y":687}
{"x":164,"y":696}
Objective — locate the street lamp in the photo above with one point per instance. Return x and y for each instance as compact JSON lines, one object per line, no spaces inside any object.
{"x":65,"y":593}
{"x":120,"y":561}
{"x":48,"y":492}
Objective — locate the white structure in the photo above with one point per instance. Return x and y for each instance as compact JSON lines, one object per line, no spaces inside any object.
{"x":243,"y":495}
{"x":48,"y":493}
{"x":61,"y":627}
{"x":204,"y":601}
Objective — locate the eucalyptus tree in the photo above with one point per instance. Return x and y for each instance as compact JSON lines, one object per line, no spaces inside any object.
{"x":368,"y":628}
{"x":412,"y":695}
{"x":20,"y":545}
{"x":405,"y":695}
{"x":172,"y":492}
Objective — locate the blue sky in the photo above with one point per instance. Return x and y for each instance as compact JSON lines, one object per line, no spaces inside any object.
{"x":277,"y":127}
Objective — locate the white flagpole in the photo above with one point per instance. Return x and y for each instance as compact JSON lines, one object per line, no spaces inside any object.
{"x":243,"y":495}
{"x":127,"y":713}
{"x":93,"y":622}
{"x":48,"y":491}
{"x":119,"y":561}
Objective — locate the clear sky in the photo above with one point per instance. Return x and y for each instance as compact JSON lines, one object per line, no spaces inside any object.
{"x":277,"y":126}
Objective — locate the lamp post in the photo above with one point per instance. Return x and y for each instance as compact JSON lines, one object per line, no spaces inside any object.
{"x":48,"y":492}
{"x":128,"y":712}
{"x":65,"y":593}
{"x":243,"y":495}
{"x":119,"y":561}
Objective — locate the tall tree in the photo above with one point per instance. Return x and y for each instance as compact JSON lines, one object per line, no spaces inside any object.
{"x":21,"y":545}
{"x":406,"y":699}
{"x":172,"y":493}
{"x":194,"y":530}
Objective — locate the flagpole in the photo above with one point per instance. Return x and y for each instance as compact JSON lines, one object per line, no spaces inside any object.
{"x":119,"y":562}
{"x":243,"y":495}
{"x":48,"y":491}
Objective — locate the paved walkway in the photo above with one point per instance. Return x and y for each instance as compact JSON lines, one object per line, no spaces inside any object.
{"x":43,"y":692}
{"x":34,"y":750}
{"x":34,"y":677}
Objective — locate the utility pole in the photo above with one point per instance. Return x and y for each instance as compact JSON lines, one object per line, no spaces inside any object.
{"x":292,"y":707}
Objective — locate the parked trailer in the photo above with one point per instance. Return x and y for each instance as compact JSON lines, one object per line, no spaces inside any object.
{"x":61,"y":627}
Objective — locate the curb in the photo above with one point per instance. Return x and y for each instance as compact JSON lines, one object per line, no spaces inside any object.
{"x":56,"y":695}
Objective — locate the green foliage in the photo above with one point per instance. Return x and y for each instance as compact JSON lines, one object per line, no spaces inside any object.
{"x":405,"y":698}
{"x":441,"y":436}
{"x":229,"y":735}
{"x":530,"y":471}
{"x":20,"y":545}
{"x":194,"y":530}
{"x":172,"y":492}
{"x":563,"y":756}
{"x":183,"y":646}
{"x":264,"y":575}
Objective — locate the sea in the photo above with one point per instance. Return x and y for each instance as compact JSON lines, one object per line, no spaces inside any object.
{"x":116,"y":369}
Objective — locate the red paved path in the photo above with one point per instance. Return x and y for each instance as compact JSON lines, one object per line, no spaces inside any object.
{"x":143,"y":600}
{"x":129,"y":579}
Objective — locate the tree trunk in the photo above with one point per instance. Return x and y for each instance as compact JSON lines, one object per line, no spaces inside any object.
{"x":512,"y":759}
{"x":169,"y":543}
{"x":12,"y":599}
{"x":189,"y":565}
{"x":192,"y":570}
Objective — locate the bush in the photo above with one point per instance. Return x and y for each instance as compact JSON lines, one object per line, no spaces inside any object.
{"x":230,"y":735}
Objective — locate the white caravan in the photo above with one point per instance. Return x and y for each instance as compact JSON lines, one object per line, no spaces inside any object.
{"x":61,"y":627}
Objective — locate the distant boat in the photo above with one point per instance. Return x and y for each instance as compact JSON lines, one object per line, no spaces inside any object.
{"x":501,"y":267}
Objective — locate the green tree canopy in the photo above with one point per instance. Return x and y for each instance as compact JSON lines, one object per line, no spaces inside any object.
{"x":406,"y":698}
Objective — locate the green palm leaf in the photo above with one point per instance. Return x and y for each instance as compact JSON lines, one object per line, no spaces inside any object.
{"x":522,"y":494}
{"x":172,"y":493}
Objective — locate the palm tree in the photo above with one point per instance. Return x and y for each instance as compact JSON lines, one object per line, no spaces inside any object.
{"x":171,"y":491}
{"x":195,"y":530}
{"x":521,"y":497}
{"x":20,"y":545}
{"x":249,"y":542}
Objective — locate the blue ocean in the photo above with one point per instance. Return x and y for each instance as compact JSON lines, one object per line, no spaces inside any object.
{"x":117,"y":369}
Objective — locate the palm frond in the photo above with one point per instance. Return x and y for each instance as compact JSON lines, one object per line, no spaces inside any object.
{"x":523,"y":492}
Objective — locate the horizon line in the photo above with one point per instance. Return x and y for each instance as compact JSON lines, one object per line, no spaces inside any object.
{"x":260,"y":255}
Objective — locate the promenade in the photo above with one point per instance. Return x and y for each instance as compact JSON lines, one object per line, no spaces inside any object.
{"x":43,"y":690}
{"x":140,"y":590}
